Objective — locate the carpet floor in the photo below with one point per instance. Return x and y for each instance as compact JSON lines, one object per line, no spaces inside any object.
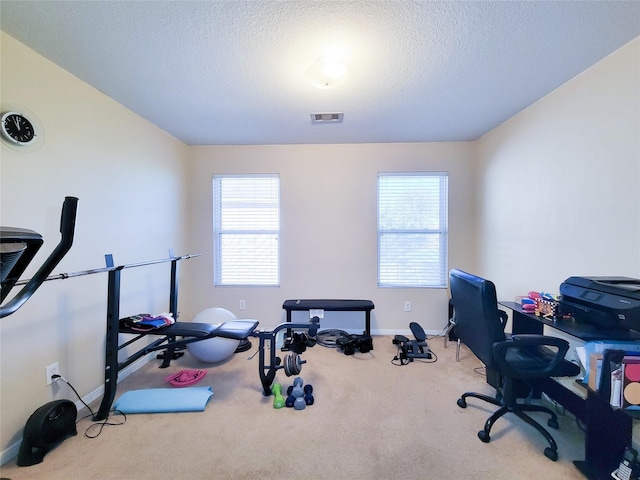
{"x":370,"y":420}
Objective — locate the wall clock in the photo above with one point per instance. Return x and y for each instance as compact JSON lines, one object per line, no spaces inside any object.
{"x":17,"y":129}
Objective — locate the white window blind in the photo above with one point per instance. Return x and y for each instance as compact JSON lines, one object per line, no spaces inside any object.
{"x":412,"y":229}
{"x":246,"y":224}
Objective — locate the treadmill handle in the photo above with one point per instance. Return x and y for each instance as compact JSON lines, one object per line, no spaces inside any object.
{"x":67,"y":229}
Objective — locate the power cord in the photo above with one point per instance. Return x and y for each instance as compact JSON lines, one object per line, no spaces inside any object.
{"x":480,"y":370}
{"x":439,"y":334}
{"x":97,"y":425}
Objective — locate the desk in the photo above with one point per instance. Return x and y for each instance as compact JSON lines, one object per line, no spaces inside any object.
{"x":607,"y":431}
{"x":332,"y":306}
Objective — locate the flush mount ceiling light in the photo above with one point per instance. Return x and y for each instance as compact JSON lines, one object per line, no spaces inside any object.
{"x":326,"y":73}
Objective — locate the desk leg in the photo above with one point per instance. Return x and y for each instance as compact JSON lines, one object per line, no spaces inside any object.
{"x":607,"y":433}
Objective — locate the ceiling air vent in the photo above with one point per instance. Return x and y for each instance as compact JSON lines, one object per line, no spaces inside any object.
{"x":326,"y":117}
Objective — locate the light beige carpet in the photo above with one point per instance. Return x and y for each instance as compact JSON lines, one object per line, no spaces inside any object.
{"x":370,"y":420}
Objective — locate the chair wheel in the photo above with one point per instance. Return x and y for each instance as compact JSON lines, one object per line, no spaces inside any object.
{"x":462,"y":403}
{"x":484,"y":436}
{"x":551,"y":454}
{"x":553,"y":423}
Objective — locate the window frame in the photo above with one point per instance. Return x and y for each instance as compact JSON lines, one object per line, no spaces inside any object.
{"x":442,"y":231}
{"x":219,"y":232}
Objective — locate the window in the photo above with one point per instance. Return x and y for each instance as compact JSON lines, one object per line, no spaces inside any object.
{"x":246,"y":228}
{"x":412,"y":230}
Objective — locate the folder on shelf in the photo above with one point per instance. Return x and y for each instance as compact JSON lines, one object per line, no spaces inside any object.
{"x":595,"y":370}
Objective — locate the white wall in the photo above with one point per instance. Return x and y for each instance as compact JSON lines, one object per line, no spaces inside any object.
{"x":328,"y":226}
{"x":129,"y":177}
{"x":559,"y":183}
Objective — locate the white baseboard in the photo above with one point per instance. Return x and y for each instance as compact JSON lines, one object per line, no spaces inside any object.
{"x":12,"y":451}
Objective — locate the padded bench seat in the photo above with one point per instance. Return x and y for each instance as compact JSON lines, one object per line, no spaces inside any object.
{"x":234,"y":329}
{"x":332,"y":305}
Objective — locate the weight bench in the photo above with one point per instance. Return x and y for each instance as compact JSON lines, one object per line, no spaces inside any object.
{"x":190,"y":332}
{"x":331,"y":306}
{"x":171,"y":337}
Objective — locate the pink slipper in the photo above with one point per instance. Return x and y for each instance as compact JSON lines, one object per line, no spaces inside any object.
{"x":184,"y":378}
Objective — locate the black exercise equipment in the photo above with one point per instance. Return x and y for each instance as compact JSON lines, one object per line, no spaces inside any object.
{"x":171,"y":339}
{"x":243,"y":346}
{"x":298,"y":342}
{"x":350,"y":343}
{"x":331,"y":305}
{"x":17,"y":249}
{"x":292,"y":364}
{"x":409,"y":350}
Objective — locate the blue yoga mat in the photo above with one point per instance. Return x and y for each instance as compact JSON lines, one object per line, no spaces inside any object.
{"x":164,"y":400}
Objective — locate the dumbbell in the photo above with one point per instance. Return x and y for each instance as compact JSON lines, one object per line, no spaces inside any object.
{"x":298,"y":403}
{"x":295,"y":395}
{"x":308,"y":397}
{"x":298,"y":394}
{"x":278,"y":401}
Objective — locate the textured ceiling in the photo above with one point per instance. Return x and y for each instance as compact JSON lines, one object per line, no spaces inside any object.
{"x":233,"y":72}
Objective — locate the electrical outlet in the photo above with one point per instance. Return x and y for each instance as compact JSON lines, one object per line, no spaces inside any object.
{"x":243,"y":304}
{"x":52,"y":370}
{"x":407,"y":306}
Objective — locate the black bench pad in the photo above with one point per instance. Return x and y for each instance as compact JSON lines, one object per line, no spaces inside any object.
{"x":329,"y":305}
{"x":234,"y":329}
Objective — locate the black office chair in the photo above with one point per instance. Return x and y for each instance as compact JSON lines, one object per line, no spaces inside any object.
{"x":509,"y":360}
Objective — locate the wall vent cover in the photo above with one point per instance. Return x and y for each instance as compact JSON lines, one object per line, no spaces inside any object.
{"x":327,"y":117}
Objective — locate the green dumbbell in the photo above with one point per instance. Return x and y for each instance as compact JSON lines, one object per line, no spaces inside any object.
{"x":279,"y":401}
